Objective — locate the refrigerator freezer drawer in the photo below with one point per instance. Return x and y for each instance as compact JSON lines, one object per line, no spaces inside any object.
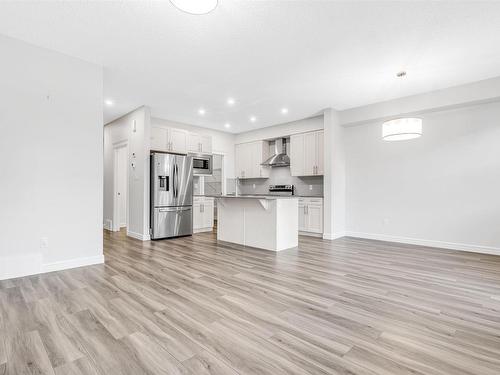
{"x":172,"y":222}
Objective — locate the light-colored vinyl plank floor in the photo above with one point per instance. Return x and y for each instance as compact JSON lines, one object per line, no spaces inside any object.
{"x":194,"y":306}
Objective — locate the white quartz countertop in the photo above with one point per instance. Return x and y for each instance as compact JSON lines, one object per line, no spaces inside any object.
{"x":270,"y":197}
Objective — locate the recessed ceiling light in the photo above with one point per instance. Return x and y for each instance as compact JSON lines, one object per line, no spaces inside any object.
{"x":227,"y":125}
{"x":253,"y":119}
{"x":230,"y":101}
{"x":195,"y":6}
{"x":201,"y":111}
{"x":109,"y":102}
{"x":284,"y":110}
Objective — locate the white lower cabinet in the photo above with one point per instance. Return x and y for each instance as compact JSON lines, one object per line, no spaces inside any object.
{"x":311,"y":216}
{"x":203,"y":214}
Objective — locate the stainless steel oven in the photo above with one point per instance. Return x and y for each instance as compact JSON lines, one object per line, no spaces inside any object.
{"x":202,"y":164}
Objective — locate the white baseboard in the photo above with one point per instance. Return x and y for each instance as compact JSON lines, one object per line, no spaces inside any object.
{"x":20,"y":265}
{"x":333,"y":236}
{"x":72,"y":263}
{"x":138,"y":236}
{"x":31,"y":264}
{"x":200,"y":230}
{"x":108,"y":225}
{"x":430,"y":243}
{"x":310,"y":234}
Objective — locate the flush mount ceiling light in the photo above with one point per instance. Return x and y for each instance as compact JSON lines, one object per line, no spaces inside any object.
{"x":196,"y":7}
{"x":401,"y":129}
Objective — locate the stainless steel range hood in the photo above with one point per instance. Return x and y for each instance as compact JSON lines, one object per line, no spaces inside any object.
{"x":280,"y":158}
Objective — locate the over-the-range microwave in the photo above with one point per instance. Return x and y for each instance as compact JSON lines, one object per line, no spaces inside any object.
{"x":202,"y":164}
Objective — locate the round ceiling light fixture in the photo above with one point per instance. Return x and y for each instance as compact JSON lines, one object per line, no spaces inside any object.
{"x":196,"y":7}
{"x":401,"y":129}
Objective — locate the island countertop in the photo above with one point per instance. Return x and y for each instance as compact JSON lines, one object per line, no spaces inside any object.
{"x":270,"y":197}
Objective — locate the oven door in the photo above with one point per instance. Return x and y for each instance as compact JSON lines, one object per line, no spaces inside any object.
{"x":202,"y":164}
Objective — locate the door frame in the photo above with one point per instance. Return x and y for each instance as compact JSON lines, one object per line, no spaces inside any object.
{"x":116,"y":212}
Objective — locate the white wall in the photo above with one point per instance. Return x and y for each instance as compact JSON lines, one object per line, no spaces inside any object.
{"x":116,"y":133}
{"x":221,"y":142}
{"x":439,"y":190}
{"x":51,"y":152}
{"x":281,"y":130}
{"x":453,"y":97}
{"x":334,"y":177}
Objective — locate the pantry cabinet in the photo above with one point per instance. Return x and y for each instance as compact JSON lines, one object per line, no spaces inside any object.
{"x":307,"y":154}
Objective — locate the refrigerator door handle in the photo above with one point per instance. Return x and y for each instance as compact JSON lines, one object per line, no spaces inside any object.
{"x":174,"y":181}
{"x":174,"y":209}
{"x":177,"y":181}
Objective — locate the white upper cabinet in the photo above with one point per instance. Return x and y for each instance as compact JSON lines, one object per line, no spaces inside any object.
{"x":167,"y":139}
{"x":248,"y":159}
{"x":178,"y":140}
{"x":206,"y":144}
{"x":159,"y":139}
{"x":296,"y":154}
{"x":320,"y":164}
{"x":199,"y":143}
{"x":307,"y":154}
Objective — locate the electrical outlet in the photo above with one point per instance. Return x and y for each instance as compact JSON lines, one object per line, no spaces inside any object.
{"x":44,"y":242}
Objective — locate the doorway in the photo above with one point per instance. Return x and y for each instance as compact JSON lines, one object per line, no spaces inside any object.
{"x":120,"y":212}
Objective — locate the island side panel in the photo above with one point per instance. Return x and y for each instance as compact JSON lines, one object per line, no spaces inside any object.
{"x":231,"y":220}
{"x":260,"y":223}
{"x":287,"y":224}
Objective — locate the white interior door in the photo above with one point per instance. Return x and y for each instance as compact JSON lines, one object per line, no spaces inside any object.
{"x":121,"y":179}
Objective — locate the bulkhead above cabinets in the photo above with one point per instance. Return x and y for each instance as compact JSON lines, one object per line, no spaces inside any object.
{"x":179,"y":141}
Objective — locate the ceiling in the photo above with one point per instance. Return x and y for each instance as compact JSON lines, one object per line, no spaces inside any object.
{"x":302,"y":55}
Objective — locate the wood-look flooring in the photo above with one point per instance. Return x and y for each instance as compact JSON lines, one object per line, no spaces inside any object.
{"x":193,"y":306}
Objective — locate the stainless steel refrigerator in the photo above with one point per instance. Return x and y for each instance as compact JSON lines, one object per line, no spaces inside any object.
{"x":171,"y":195}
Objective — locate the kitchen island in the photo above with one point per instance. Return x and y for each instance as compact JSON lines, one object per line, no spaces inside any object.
{"x":265,"y":222}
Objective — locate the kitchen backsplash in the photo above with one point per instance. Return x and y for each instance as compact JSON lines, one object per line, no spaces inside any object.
{"x":304,"y":186}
